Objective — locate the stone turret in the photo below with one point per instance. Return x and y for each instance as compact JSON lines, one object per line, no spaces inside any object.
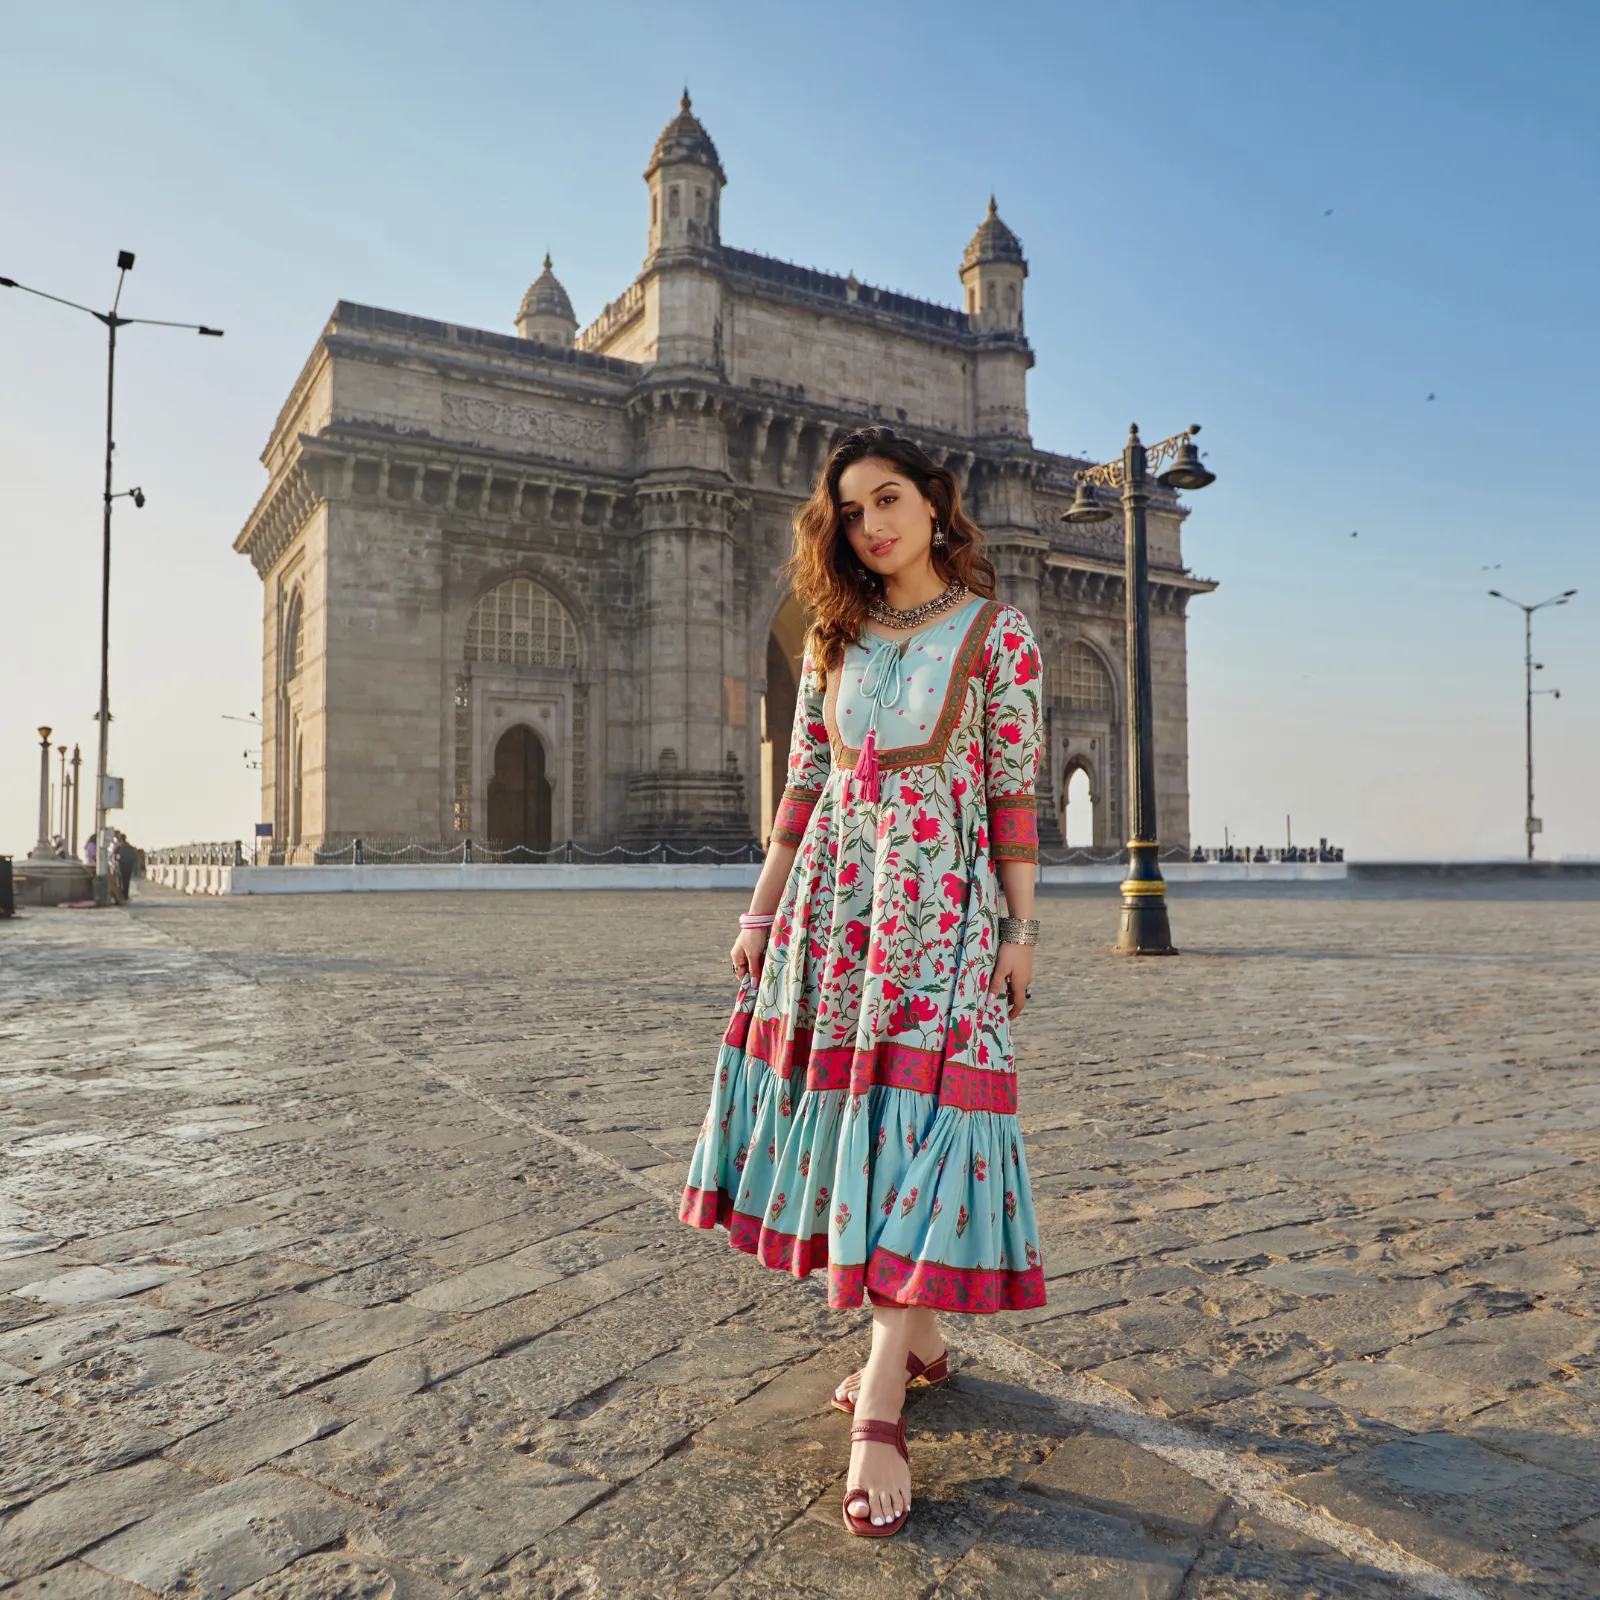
{"x":992,"y":271}
{"x":682,"y":277}
{"x":546,"y":313}
{"x":686,"y":178}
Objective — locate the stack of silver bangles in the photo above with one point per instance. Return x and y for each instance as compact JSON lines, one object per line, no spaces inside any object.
{"x":1019,"y":930}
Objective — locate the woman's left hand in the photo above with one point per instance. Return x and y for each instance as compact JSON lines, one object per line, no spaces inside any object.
{"x":1013,"y":969}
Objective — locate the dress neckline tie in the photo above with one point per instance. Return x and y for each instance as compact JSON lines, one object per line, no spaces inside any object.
{"x":881,"y":684}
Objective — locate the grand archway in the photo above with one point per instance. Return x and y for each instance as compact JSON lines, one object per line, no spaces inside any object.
{"x":785,"y":648}
{"x":519,"y":792}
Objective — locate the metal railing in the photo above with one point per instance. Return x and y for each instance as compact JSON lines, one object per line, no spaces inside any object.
{"x":363,"y":851}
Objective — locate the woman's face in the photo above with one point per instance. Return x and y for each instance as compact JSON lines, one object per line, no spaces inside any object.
{"x":884,"y":516}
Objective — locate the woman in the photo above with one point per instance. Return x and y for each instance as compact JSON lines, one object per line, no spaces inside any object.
{"x":863,"y":1115}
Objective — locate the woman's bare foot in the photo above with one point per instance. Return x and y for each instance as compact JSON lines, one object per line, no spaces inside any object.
{"x":927,"y":1345}
{"x":878,"y":1488}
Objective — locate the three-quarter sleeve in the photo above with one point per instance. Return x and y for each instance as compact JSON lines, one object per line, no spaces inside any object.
{"x":810,"y":759}
{"x":1013,"y":730}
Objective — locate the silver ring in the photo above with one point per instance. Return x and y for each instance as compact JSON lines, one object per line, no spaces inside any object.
{"x":1027,"y":994}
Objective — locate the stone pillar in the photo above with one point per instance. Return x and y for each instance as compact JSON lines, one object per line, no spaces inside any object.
{"x":44,"y":850}
{"x":692,"y":654}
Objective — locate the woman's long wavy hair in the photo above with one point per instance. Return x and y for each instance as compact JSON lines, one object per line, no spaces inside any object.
{"x":828,"y":577}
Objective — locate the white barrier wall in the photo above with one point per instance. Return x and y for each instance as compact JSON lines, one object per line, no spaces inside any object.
{"x":456,"y":876}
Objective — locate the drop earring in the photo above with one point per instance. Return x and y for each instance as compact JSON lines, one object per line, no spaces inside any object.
{"x":939,"y":540}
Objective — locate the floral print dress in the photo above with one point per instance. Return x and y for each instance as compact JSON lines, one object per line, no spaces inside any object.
{"x":864,"y":1107}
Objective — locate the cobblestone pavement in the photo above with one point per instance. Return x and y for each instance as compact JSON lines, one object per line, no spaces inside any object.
{"x":337,"y":1259}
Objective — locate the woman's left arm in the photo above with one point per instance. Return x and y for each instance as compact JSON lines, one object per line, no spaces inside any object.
{"x":1012,"y":734}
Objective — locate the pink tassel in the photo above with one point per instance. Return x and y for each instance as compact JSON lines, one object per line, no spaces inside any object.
{"x":866,"y":774}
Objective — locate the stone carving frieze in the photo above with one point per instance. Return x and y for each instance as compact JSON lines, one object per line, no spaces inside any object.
{"x":554,"y":432}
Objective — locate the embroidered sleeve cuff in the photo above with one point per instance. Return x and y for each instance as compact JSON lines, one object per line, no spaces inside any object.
{"x":1013,"y":828}
{"x":794,"y":812}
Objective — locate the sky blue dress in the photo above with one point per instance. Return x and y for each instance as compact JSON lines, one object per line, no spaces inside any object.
{"x":864,"y":1106}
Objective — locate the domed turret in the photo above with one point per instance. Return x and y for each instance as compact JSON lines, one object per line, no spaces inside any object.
{"x":992,"y":271}
{"x":685,"y":140}
{"x":993,"y":241}
{"x":686,"y":178}
{"x":546,"y":313}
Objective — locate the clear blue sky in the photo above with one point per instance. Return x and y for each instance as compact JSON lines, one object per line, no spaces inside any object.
{"x":1169,"y":169}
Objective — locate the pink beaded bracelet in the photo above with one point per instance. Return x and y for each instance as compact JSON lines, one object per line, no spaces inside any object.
{"x":748,"y":919}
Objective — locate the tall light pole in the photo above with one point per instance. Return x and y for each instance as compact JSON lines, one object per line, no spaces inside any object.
{"x":1531,"y":824}
{"x":77,"y":786}
{"x":112,"y":320}
{"x":1144,"y":930}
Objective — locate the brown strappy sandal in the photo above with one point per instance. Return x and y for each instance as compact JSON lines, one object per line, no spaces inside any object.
{"x":877,"y":1433}
{"x":918,"y":1376}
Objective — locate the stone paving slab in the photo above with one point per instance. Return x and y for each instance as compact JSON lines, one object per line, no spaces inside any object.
{"x":338,"y":1258}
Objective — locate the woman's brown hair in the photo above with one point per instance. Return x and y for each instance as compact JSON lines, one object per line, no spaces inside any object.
{"x":828,"y":577}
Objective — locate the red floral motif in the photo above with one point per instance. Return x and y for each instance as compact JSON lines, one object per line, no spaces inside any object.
{"x":889,"y":1200}
{"x":961,"y":1221}
{"x":740,"y":1159}
{"x":775,"y":1210}
{"x":1011,"y":732}
{"x":954,"y":886}
{"x":841,"y":1217}
{"x":1011,"y":1205}
{"x":909,"y":1202}
{"x":848,"y":875}
{"x":805,"y":1163}
{"x":938,"y":1206}
{"x":980,"y":1168}
{"x":820,"y":1204}
{"x":925,"y":828}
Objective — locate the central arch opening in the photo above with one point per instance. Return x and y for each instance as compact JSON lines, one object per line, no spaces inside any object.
{"x":1078,"y":809}
{"x":785,"y":649}
{"x":519,"y":792}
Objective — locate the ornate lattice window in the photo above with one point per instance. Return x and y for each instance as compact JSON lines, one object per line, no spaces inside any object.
{"x":521,"y":623}
{"x":1079,"y":680}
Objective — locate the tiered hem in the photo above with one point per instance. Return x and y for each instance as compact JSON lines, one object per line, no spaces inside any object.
{"x":898,"y":1198}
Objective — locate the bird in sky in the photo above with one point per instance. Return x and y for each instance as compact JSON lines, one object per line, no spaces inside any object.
{"x":1356,"y":534}
{"x":1328,"y":212}
{"x":1430,"y":397}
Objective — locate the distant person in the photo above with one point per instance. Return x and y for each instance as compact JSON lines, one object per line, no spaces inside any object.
{"x":89,"y":846}
{"x":124,"y":860}
{"x":891,"y":1160}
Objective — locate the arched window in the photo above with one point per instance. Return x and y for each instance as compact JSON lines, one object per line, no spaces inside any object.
{"x":521,"y":623}
{"x":1011,"y":297}
{"x":1080,"y":681}
{"x":294,"y":637}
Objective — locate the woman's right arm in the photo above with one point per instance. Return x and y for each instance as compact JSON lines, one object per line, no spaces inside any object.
{"x":810,"y":760}
{"x":750,"y":948}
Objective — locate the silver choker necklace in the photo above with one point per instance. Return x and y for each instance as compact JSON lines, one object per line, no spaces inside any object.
{"x":889,"y":617}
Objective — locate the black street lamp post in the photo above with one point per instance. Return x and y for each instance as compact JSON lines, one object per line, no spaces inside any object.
{"x":112,"y":320}
{"x":1530,"y":823}
{"x":1144,"y":930}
